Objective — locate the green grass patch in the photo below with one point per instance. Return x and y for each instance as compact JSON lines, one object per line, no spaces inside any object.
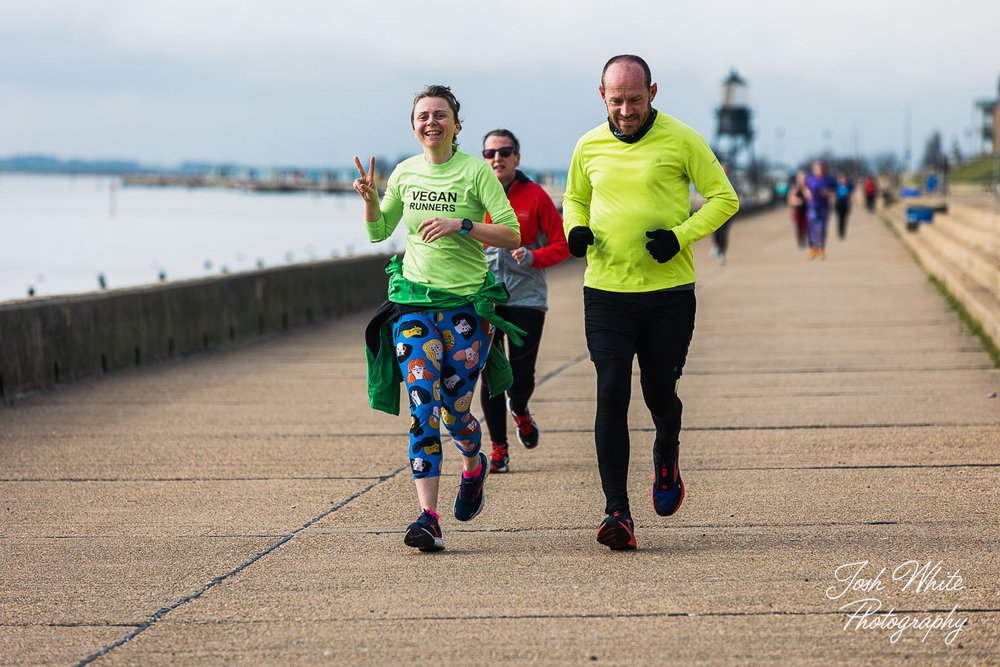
{"x":972,"y":323}
{"x":974,"y":171}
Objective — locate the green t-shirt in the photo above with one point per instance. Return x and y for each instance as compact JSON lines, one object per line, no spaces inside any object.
{"x":462,"y":187}
{"x":621,"y":191}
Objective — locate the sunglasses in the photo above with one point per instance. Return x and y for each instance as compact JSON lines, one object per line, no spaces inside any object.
{"x":506,"y":151}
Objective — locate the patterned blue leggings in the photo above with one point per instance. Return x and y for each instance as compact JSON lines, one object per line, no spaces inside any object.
{"x":441,"y":355}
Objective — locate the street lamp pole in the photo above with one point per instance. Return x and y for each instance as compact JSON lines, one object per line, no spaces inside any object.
{"x":906,"y":140}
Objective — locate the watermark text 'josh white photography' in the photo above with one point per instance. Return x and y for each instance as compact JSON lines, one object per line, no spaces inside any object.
{"x":864,"y":588}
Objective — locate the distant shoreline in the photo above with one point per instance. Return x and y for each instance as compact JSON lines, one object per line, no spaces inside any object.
{"x":197,"y":174}
{"x":204,"y":181}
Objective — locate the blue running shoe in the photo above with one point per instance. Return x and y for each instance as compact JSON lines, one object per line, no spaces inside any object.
{"x":668,"y":487}
{"x":424,"y":533}
{"x":617,"y":531}
{"x":471,"y":496}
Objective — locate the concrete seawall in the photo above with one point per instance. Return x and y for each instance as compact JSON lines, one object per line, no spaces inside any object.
{"x":46,"y":342}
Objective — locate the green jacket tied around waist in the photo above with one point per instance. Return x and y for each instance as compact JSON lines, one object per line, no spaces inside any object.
{"x":384,"y":375}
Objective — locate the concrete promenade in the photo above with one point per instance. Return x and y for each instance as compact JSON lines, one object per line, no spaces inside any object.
{"x":246,"y":507}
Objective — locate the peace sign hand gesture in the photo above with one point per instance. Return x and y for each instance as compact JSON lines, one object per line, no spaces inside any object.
{"x":364,"y":185}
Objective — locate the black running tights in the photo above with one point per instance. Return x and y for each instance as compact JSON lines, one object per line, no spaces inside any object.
{"x":656,"y":329}
{"x":522,"y":363}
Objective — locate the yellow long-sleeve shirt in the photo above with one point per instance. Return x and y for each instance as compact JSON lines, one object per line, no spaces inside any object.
{"x":462,"y":187}
{"x":623,"y":190}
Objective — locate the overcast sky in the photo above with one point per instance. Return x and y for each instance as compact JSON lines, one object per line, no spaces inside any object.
{"x":314,"y":82}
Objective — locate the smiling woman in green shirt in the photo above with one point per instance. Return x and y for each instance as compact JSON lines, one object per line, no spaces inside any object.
{"x":442,"y":196}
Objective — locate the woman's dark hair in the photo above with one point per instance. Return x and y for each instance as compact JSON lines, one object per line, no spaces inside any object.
{"x":444,"y":92}
{"x":500,"y":132}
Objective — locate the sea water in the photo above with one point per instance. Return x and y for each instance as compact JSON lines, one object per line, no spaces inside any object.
{"x":65,"y":234}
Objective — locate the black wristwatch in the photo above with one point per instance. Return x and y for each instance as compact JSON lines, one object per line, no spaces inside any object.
{"x":466,"y":227}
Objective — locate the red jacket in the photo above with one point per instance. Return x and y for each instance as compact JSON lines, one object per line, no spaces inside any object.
{"x":536,"y":212}
{"x":541,"y":233}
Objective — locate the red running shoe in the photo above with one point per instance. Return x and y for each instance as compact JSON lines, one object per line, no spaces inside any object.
{"x":527,"y":429}
{"x":499,"y":459}
{"x":617,"y":532}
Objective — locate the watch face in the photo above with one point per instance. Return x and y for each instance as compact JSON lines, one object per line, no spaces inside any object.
{"x":466,"y":225}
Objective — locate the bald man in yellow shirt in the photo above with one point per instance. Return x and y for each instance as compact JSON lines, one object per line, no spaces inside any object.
{"x":627,"y":208}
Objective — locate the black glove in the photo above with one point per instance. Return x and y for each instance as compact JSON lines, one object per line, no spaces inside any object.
{"x":579,"y":238}
{"x":663,"y":246}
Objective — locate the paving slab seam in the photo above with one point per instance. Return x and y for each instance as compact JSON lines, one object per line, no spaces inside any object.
{"x":563,"y":367}
{"x":11,"y":480}
{"x":873,"y":466}
{"x":787,"y":427}
{"x":164,"y":611}
{"x":111,"y":536}
{"x":830,"y":394}
{"x":832,"y":371}
{"x":887,"y":466}
{"x":607,"y":616}
{"x":639,"y":429}
{"x":655,"y":528}
{"x":69,"y":625}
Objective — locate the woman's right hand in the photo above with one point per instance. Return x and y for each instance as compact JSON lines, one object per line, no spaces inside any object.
{"x":364,"y":185}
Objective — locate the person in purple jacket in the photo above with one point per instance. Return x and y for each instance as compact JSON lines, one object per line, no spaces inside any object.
{"x":820,"y":188}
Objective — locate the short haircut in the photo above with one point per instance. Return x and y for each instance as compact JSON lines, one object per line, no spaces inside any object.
{"x":500,"y":132}
{"x":628,"y":58}
{"x":435,"y":90}
{"x":444,"y":92}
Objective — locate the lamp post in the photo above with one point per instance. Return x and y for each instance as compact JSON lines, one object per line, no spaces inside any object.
{"x":906,"y":139}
